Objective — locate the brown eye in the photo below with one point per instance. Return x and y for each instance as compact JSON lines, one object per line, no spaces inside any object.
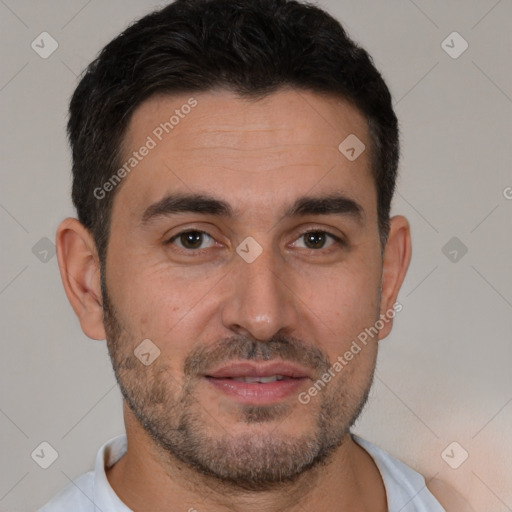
{"x":317,"y":239}
{"x":190,"y":239}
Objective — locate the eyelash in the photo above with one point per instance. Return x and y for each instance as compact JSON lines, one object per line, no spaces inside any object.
{"x":338,"y":241}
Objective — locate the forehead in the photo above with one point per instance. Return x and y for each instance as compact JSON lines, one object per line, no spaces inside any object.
{"x":250,"y":152}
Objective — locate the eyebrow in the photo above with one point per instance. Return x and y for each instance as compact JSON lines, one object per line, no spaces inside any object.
{"x":331,"y":204}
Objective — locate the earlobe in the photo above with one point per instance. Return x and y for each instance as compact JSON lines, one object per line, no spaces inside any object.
{"x":397,"y":256}
{"x":80,"y":273}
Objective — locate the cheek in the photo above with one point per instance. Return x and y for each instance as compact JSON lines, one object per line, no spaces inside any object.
{"x":346,"y":297}
{"x":160,"y":304}
{"x":345,"y":302}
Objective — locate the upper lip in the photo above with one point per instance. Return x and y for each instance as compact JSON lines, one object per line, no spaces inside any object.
{"x":267,"y":369}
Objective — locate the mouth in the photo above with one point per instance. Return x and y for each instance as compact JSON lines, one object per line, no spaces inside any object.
{"x":259,"y":384}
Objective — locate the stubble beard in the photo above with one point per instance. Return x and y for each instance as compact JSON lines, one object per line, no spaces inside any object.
{"x":181,"y":428}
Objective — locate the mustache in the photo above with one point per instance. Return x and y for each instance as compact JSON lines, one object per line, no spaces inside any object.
{"x":241,"y":348}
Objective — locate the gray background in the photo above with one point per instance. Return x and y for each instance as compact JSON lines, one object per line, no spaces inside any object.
{"x":444,"y":373}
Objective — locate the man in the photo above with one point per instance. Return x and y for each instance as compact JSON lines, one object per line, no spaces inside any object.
{"x":234,"y":163}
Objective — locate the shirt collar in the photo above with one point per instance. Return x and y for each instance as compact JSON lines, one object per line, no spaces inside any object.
{"x":105,"y":499}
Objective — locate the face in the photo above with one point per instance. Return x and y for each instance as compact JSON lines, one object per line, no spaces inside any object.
{"x":244,"y":245}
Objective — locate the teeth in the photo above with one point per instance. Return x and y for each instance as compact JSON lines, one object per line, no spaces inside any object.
{"x":263,"y":380}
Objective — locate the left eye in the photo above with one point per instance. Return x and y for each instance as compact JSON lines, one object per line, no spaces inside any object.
{"x":316,"y":239}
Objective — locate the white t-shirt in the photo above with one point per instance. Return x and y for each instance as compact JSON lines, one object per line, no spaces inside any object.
{"x":91,"y":492}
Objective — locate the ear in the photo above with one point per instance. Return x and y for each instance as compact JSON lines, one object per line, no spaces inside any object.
{"x":397,"y":255}
{"x":80,"y":273}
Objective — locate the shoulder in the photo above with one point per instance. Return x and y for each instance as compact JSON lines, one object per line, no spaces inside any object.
{"x":450,"y":499}
{"x":404,"y":485}
{"x":406,"y":489}
{"x":76,"y":496}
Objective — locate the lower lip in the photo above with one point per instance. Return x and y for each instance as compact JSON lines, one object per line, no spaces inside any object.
{"x":256,"y":392}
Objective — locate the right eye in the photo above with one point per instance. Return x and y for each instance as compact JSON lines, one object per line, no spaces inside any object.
{"x":190,"y":240}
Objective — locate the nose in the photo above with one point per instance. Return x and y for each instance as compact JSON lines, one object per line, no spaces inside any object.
{"x":261,"y":301}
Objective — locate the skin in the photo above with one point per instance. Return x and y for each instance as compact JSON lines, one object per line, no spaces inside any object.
{"x":259,"y":156}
